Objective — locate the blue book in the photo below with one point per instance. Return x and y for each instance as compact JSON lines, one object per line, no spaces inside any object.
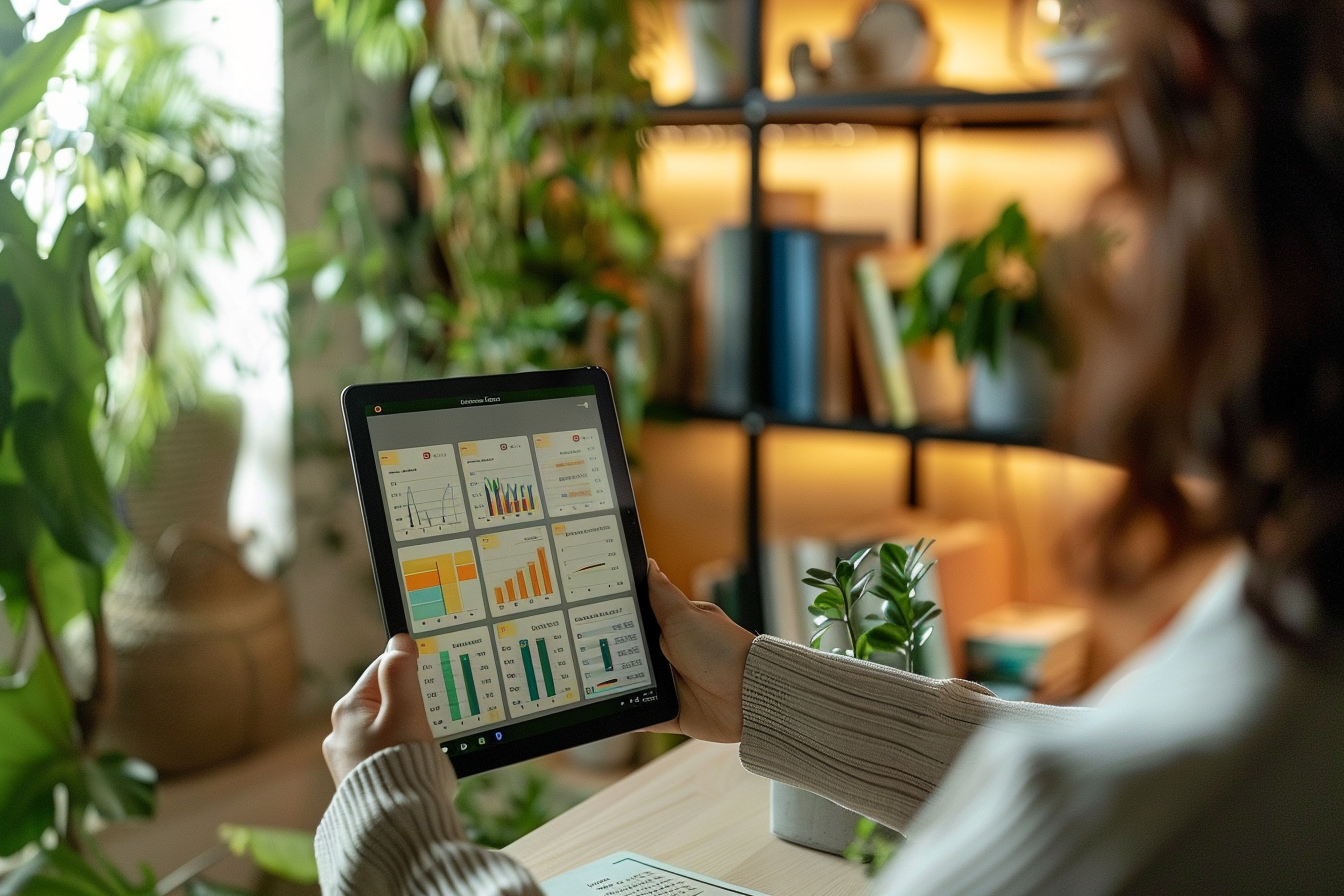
{"x":794,"y":333}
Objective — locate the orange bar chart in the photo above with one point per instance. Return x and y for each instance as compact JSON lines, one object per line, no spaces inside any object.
{"x":518,"y":569}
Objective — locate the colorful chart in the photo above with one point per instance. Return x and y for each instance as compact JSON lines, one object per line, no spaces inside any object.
{"x":573,"y":473}
{"x":592,"y":560}
{"x":519,"y":573}
{"x":611,"y":649}
{"x":424,"y":493}
{"x":458,"y":682}
{"x":442,"y":584}
{"x":500,"y":481}
{"x":535,"y":659}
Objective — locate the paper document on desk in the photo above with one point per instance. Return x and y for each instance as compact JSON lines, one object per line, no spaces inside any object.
{"x":629,"y":874}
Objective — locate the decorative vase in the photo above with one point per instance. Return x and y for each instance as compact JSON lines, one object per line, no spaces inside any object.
{"x":205,"y":658}
{"x":1018,"y":397}
{"x":716,"y":31}
{"x":206,"y":665}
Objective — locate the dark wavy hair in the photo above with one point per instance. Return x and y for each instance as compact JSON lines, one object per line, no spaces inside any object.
{"x":1219,"y":352}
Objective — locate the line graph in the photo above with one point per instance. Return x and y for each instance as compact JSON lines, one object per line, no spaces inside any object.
{"x":424,"y":492}
{"x":592,"y":560}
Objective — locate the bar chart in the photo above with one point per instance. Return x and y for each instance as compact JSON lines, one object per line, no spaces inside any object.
{"x":573,"y":473}
{"x":501,"y":484}
{"x":518,"y":570}
{"x":535,"y":660}
{"x":611,"y":649}
{"x":424,"y":493}
{"x":592,"y":559}
{"x":442,"y":584}
{"x":458,"y":682}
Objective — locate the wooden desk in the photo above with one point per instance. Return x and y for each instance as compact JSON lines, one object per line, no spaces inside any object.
{"x":696,"y":808}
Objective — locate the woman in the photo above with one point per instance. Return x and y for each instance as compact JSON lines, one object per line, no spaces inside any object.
{"x":1217,"y":763}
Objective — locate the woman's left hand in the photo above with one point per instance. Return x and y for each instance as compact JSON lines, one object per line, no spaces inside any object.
{"x":382,"y":710}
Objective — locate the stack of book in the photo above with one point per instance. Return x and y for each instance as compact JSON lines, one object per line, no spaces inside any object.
{"x":1034,"y":646}
{"x":832,"y":335}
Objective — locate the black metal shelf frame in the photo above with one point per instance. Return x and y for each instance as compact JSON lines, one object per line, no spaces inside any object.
{"x":917,"y":110}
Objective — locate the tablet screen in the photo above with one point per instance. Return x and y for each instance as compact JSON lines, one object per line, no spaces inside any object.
{"x":514,"y":571}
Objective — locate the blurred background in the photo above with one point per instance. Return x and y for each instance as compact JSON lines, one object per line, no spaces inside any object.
{"x":812,"y":245}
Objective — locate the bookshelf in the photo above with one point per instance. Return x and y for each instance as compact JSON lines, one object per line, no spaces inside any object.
{"x":918,"y":110}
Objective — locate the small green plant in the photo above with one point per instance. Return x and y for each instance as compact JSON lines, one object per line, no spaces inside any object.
{"x":984,"y":290}
{"x":902,"y":619}
{"x":873,"y":846}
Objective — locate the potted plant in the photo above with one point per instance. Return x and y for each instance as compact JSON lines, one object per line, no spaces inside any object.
{"x":986,"y":292}
{"x":873,"y":614}
{"x":517,"y":240}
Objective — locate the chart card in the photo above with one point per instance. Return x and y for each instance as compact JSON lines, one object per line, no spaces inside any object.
{"x":592,"y":562}
{"x":500,"y":481}
{"x":459,"y":682}
{"x":535,"y":660}
{"x":442,"y":584}
{"x":519,"y":572}
{"x":611,"y":654}
{"x":424,"y":493}
{"x":573,"y":474}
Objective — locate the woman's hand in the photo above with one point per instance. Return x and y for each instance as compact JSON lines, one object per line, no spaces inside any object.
{"x":382,"y":710}
{"x":708,"y":652}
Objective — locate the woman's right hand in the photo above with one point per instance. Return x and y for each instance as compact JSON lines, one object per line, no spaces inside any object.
{"x":708,"y":653}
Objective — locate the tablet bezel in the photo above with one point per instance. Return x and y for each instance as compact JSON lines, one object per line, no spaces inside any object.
{"x":662,"y":707}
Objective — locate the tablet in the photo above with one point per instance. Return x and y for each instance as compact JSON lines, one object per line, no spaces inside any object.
{"x":504,"y":539}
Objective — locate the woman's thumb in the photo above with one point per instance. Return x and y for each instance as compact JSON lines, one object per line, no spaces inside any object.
{"x":398,"y":677}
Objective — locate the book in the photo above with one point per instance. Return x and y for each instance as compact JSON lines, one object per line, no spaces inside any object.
{"x":836,"y":362}
{"x":1037,"y":646}
{"x":727,"y":319}
{"x":794,"y":307}
{"x":884,"y":336}
{"x":630,"y":874}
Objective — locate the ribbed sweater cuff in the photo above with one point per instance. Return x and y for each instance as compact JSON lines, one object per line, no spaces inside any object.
{"x":391,"y":802}
{"x":871,"y":738}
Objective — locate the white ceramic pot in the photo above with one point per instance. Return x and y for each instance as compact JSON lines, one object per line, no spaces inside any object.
{"x":1017,"y":398}
{"x":802,"y":817}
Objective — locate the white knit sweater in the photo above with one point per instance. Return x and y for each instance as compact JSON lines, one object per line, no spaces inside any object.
{"x":1216,"y":766}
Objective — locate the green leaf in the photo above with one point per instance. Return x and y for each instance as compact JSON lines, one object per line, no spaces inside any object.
{"x":815,"y":643}
{"x":55,"y":353}
{"x":283,"y":852}
{"x":57,"y":455}
{"x":120,"y":787}
{"x":11,"y":30}
{"x":828,"y":598}
{"x":822,"y":574}
{"x":38,"y":720}
{"x":830,"y":612}
{"x":859,"y":556}
{"x":887,"y":638}
{"x":817,"y":583}
{"x":11,"y":322}
{"x":24,"y":74}
{"x":892,"y":556}
{"x":64,"y":872}
{"x":68,"y":587}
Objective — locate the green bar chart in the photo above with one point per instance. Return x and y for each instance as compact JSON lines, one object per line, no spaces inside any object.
{"x":610,"y":646}
{"x":536,"y":663}
{"x":460,"y":682}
